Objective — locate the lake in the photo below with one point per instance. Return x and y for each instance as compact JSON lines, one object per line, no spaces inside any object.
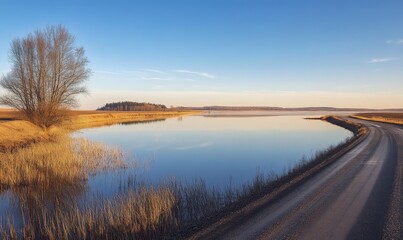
{"x":216,"y":148}
{"x":222,"y":149}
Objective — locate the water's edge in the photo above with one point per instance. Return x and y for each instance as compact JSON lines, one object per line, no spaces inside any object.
{"x":280,"y":187}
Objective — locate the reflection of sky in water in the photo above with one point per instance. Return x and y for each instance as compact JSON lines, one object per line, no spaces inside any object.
{"x":217,"y":148}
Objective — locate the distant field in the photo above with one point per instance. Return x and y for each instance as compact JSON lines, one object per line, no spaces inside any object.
{"x":395,"y":117}
{"x":88,"y":119}
{"x":8,"y":114}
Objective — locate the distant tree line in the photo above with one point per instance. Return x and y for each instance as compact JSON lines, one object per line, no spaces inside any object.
{"x":132,"y":106}
{"x":268,"y":108}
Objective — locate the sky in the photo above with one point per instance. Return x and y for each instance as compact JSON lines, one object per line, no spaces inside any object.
{"x":283,"y":53}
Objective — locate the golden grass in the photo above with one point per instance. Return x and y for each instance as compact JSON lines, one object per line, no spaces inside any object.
{"x":65,"y":160}
{"x":395,"y":118}
{"x":138,"y":214}
{"x":132,"y":214}
{"x":104,"y":118}
{"x":19,"y":133}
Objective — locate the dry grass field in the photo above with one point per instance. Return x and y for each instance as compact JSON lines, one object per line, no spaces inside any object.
{"x":395,"y":117}
{"x":87,"y":119}
{"x":7,"y":114}
{"x":19,"y":133}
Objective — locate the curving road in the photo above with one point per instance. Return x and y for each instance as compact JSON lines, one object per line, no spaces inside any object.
{"x":359,"y":196}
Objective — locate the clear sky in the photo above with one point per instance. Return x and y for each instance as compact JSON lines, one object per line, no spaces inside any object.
{"x":198,"y":52}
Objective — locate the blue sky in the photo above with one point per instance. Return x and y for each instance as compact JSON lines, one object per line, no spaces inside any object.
{"x":274,"y":53}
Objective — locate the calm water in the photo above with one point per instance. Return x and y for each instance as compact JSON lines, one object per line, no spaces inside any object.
{"x":215,"y":149}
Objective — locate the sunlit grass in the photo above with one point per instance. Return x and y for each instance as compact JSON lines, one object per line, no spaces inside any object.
{"x":17,"y":133}
{"x":395,"y":118}
{"x":136,"y":213}
{"x":81,"y":121}
{"x":63,"y":159}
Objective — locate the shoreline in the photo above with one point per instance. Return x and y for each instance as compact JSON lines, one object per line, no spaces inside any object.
{"x":214,"y":225}
{"x":264,"y":192}
{"x":17,"y":133}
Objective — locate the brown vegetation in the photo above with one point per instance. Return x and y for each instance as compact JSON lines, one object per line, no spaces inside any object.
{"x":19,"y":133}
{"x":135,"y":214}
{"x":65,"y":160}
{"x":395,"y":117}
{"x":7,"y":114}
{"x":102,"y":118}
{"x":356,"y":128}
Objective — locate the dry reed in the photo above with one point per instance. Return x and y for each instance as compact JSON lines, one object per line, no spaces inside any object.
{"x":64,"y":159}
{"x":138,"y":214}
{"x":169,"y":211}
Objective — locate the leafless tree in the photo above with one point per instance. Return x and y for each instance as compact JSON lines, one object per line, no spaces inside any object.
{"x":47,"y":74}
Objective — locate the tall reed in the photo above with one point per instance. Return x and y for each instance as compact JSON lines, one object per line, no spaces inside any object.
{"x":65,"y":160}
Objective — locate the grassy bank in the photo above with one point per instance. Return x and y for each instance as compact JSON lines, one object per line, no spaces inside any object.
{"x":85,"y":119}
{"x":170,"y":210}
{"x":17,"y":133}
{"x":395,"y":118}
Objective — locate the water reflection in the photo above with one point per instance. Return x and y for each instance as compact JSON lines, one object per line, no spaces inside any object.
{"x":218,"y":148}
{"x":141,"y":122}
{"x":32,"y":206}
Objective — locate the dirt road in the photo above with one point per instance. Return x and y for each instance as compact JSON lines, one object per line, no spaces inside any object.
{"x":359,"y":196}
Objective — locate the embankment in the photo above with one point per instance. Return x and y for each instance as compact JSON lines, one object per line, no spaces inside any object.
{"x":355,"y":128}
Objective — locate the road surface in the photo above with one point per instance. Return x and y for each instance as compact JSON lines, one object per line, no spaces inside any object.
{"x":359,"y":196}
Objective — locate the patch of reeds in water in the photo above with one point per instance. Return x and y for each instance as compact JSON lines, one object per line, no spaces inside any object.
{"x":65,"y":160}
{"x":169,"y":211}
{"x":134,"y":214}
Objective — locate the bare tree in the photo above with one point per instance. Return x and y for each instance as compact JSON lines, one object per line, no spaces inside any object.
{"x":47,"y":74}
